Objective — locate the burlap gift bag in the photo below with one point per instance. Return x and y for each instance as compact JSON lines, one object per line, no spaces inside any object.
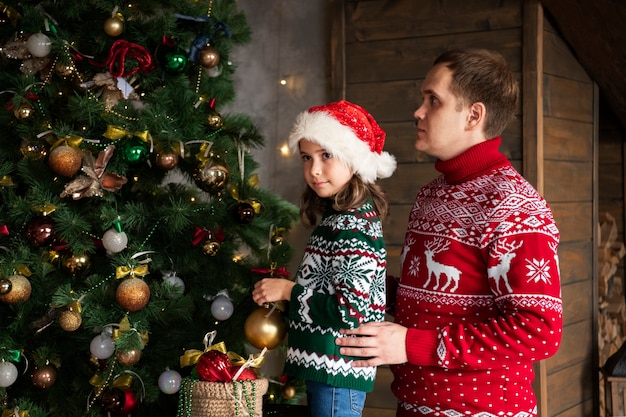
{"x":222,"y":399}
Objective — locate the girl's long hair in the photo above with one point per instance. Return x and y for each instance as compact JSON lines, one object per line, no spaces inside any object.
{"x":353,"y":195}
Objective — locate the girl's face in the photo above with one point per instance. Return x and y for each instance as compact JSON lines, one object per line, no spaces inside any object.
{"x":325,"y":174}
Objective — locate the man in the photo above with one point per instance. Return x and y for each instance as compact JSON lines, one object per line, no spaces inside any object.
{"x":479,"y":296}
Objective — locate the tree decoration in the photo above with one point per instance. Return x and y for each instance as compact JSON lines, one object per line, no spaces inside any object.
{"x":119,"y":398}
{"x":115,"y":240}
{"x":96,"y":179}
{"x":211,"y":175}
{"x":133,"y":293}
{"x":129,"y":357}
{"x":45,"y":376}
{"x":245,"y":212}
{"x":39,"y":45}
{"x":70,"y":318}
{"x":33,"y":150}
{"x":265,"y":328}
{"x":102,"y":345}
{"x":8,"y":374}
{"x":208,"y":57}
{"x":24,"y":111}
{"x":166,"y":160}
{"x":169,"y":381}
{"x":134,"y":151}
{"x":175,"y":281}
{"x":211,"y":241}
{"x":213,"y":119}
{"x":221,"y":306}
{"x":20,"y":290}
{"x":65,"y":159}
{"x":114,"y":25}
{"x":40,"y":231}
{"x":75,"y":264}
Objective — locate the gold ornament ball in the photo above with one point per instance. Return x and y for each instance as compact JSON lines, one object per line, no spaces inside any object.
{"x":113,"y":26}
{"x":44,"y":377}
{"x":65,"y":160}
{"x":288,"y":392}
{"x":70,"y":320}
{"x":208,"y":57}
{"x":133,"y":294}
{"x":20,"y":290}
{"x":24,"y":111}
{"x":212,"y":176}
{"x":128,"y":358}
{"x":263,"y":331}
{"x":214,"y":121}
{"x":33,"y":150}
{"x":166,"y":161}
{"x":211,"y":247}
{"x":76,"y":264}
{"x":5,"y":286}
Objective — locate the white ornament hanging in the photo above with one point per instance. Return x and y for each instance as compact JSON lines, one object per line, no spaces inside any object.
{"x":8,"y":374}
{"x":102,"y":346}
{"x":222,"y":307}
{"x":169,"y":382}
{"x":114,"y":241}
{"x":39,"y":45}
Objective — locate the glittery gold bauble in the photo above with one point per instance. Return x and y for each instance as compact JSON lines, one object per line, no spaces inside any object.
{"x":20,"y":290}
{"x":208,"y":57}
{"x":288,"y":392}
{"x":128,"y":358}
{"x":70,"y":320}
{"x":264,"y":330}
{"x":133,"y":294}
{"x":214,"y":121}
{"x":44,"y":377}
{"x":211,"y":175}
{"x":114,"y":26}
{"x":166,"y":160}
{"x":65,"y":160}
{"x":24,"y":111}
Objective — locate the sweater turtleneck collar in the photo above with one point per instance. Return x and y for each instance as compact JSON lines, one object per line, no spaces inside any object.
{"x":473,"y":162}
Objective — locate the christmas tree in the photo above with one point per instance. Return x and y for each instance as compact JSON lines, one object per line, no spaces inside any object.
{"x":132,"y":224}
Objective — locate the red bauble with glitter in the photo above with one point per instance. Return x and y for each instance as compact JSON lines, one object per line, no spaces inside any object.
{"x":214,"y":366}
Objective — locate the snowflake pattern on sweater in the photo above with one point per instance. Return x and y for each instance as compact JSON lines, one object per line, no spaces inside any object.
{"x":340,"y":284}
{"x":479,"y":291}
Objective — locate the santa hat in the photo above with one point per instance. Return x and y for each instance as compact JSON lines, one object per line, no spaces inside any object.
{"x":349,"y":133}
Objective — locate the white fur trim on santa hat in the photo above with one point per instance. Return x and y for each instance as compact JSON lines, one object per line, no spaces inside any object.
{"x":340,"y":141}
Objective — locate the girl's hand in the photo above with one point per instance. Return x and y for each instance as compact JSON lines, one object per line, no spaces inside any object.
{"x":269,"y":290}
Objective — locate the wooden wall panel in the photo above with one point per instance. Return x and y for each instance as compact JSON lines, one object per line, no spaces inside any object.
{"x":570,"y":389}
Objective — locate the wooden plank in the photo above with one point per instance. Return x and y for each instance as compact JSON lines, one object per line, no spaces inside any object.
{"x":575,"y":346}
{"x":569,"y":387}
{"x":574,"y":261}
{"x":567,"y":140}
{"x":564,"y":172}
{"x":577,"y":302}
{"x":567,"y":99}
{"x":611,"y":184}
{"x":394,"y":228}
{"x":574,"y":220}
{"x":393,"y":59}
{"x":337,"y":50}
{"x":389,"y":101}
{"x":383,"y":19}
{"x":584,"y":409}
{"x":559,"y":59}
{"x":402,"y":187}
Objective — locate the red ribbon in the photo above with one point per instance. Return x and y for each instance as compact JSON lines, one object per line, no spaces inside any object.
{"x":122,"y":49}
{"x":199,"y":235}
{"x":274,"y":272}
{"x":4,"y":230}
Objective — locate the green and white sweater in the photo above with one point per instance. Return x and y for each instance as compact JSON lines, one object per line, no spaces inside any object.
{"x":340,"y":284}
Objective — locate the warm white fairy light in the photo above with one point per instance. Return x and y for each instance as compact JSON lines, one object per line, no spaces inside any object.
{"x":284,"y":150}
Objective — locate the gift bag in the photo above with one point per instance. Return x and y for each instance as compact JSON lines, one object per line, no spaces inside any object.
{"x":222,"y":399}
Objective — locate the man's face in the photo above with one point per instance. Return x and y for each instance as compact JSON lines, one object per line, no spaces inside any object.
{"x":441,"y":118}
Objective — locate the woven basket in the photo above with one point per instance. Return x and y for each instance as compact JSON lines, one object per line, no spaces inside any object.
{"x":222,"y":399}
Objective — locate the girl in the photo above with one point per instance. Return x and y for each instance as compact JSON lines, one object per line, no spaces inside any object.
{"x":340,"y":282}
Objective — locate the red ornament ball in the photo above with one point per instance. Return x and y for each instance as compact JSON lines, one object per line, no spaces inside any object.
{"x":214,"y":366}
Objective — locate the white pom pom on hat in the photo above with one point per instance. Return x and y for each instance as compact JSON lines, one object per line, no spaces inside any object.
{"x":349,"y":133}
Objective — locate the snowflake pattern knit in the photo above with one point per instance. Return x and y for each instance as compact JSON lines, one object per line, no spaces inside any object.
{"x":340,"y":284}
{"x":479,"y":291}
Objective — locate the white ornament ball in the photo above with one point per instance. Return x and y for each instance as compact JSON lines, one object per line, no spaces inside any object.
{"x":102,"y":346}
{"x":214,"y":72}
{"x":169,"y":382}
{"x":222,"y":308}
{"x":8,"y":374}
{"x":114,"y":241}
{"x":172,"y":279}
{"x":39,"y":45}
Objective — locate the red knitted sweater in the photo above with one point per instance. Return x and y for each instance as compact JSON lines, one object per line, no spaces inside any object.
{"x":479,"y":292}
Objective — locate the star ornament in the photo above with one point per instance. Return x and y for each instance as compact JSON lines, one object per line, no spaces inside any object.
{"x":95,"y":178}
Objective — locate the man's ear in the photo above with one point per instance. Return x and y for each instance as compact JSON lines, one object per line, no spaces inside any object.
{"x":476,"y":116}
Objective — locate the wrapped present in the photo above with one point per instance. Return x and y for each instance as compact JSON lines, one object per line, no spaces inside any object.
{"x":223,"y":384}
